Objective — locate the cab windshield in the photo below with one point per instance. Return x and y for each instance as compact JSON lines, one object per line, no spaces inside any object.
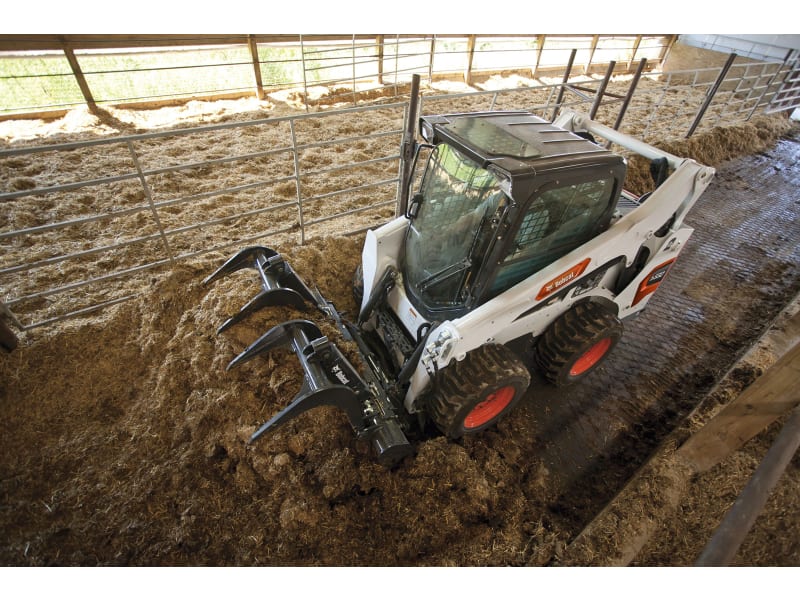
{"x":461,"y":206}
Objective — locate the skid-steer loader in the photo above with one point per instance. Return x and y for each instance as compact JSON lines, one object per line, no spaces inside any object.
{"x":519,"y":252}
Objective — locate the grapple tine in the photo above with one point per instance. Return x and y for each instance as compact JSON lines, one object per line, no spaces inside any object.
{"x":281,"y":285}
{"x":339,"y":396}
{"x":273,"y":297}
{"x":280,"y":335}
{"x":329,"y":378}
{"x":326,"y":373}
{"x":246,"y":257}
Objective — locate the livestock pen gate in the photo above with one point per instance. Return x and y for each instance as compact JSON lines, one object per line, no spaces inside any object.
{"x":87,"y":224}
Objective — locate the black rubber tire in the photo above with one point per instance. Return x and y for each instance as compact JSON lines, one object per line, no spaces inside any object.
{"x":358,"y":286}
{"x":8,"y":341}
{"x":586,"y":331}
{"x":485,"y":373}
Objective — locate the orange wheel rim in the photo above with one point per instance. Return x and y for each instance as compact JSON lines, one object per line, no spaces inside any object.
{"x":590,"y":357}
{"x":487,"y":410}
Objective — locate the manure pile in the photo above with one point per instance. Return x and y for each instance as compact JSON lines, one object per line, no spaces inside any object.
{"x":125,"y":444}
{"x":125,"y":438}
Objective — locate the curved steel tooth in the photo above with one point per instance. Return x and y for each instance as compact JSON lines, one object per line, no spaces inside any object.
{"x":280,"y":335}
{"x":335,"y":395}
{"x":273,"y":297}
{"x":246,"y":257}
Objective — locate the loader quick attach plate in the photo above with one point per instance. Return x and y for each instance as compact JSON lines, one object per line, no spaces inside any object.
{"x":329,"y":378}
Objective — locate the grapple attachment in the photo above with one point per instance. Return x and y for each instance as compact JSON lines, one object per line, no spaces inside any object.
{"x":282,"y":287}
{"x":329,"y":378}
{"x":327,"y":372}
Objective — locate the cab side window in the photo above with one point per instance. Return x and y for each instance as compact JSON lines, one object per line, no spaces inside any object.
{"x":559,"y":220}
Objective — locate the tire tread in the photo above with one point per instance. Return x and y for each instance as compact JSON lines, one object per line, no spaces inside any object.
{"x":464,"y":380}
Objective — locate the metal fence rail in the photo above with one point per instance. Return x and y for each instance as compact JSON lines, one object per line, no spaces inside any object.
{"x":154,"y":224}
{"x":67,"y":71}
{"x":179,"y":194}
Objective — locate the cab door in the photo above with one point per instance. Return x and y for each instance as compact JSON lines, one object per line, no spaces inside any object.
{"x":559,"y":217}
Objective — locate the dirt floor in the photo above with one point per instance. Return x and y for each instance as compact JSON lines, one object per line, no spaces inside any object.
{"x":125,"y":437}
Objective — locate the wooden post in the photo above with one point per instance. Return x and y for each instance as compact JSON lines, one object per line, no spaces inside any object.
{"x":470,"y":54}
{"x":430,"y":61}
{"x":251,"y":42}
{"x":662,"y":57}
{"x":595,"y":39}
{"x":635,"y":50}
{"x":379,"y":48}
{"x":539,"y":48}
{"x":76,"y":71}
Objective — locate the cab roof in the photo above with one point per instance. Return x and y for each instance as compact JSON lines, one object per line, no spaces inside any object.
{"x":517,"y":142}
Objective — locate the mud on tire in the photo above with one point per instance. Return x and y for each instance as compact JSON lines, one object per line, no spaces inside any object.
{"x":473,"y":394}
{"x":576,"y":343}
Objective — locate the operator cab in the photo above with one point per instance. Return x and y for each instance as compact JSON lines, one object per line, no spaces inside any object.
{"x":503,"y":195}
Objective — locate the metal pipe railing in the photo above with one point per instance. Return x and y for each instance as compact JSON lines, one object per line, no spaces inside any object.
{"x":164,"y":234}
{"x":299,"y":173}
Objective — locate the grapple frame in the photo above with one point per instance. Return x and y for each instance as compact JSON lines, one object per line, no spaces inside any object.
{"x":329,"y":378}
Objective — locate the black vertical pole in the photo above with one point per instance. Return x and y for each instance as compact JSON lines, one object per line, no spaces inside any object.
{"x":601,"y":91}
{"x":631,"y":90}
{"x":711,"y":93}
{"x":407,"y":148}
{"x":560,"y":96}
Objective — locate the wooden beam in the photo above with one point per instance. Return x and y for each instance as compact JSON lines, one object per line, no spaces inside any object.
{"x":251,"y":42}
{"x":768,"y":397}
{"x":662,"y":57}
{"x":595,"y":39}
{"x":379,"y":50}
{"x":76,"y":71}
{"x":539,"y":48}
{"x":470,"y":55}
{"x":728,"y":538}
{"x":24,"y":42}
{"x":635,"y":50}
